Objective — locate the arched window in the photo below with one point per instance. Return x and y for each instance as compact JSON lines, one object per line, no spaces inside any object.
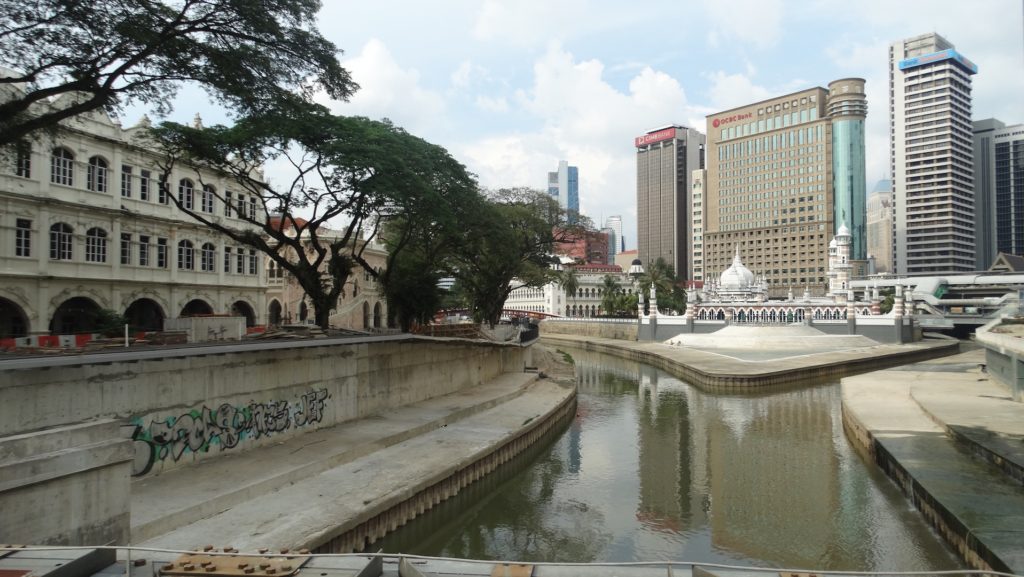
{"x":208,"y":193}
{"x":186,"y":256}
{"x":62,"y":167}
{"x":207,"y":257}
{"x":96,"y":177}
{"x":186,"y":193}
{"x":60,"y":241}
{"x":96,"y":245}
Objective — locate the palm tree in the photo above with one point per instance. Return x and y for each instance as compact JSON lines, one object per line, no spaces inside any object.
{"x":663,"y":277}
{"x":570,"y":282}
{"x":609,"y":294}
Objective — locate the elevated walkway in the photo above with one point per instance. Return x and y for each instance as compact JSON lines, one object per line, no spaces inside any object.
{"x":310,"y":489}
{"x":953,"y":440}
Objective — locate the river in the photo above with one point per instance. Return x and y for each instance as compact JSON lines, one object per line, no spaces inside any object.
{"x":653,"y":469}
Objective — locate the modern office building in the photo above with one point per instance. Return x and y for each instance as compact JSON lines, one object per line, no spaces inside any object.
{"x":615,"y":223}
{"x":848,"y":107}
{"x":931,"y":156}
{"x":564,"y":184}
{"x":769,"y":189}
{"x":665,"y":161}
{"x":998,"y":190}
{"x":879,"y":227}
{"x":697,"y":225}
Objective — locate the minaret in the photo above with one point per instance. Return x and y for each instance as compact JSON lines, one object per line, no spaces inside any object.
{"x":839,"y":264}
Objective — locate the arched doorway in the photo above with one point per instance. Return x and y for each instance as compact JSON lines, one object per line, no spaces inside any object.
{"x":376,"y":316}
{"x":242,"y":309}
{"x":274,"y":313}
{"x":366,"y":316}
{"x":75,"y":315}
{"x":13,"y":321}
{"x":145,"y":315}
{"x":196,"y":307}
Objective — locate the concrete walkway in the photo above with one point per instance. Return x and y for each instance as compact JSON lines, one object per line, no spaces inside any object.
{"x":720,"y":371}
{"x":954,"y":441}
{"x":310,"y":488}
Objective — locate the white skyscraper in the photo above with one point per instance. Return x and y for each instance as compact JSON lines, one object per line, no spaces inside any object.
{"x":615,"y":223}
{"x":931,"y":156}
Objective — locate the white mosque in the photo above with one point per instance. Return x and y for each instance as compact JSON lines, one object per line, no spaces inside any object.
{"x":740,"y":296}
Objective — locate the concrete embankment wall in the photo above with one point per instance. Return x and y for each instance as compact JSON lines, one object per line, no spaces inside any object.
{"x":151,"y":415}
{"x":726,"y":380}
{"x":625,"y":331}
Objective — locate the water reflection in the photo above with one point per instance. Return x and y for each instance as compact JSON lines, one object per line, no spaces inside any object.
{"x":653,"y":469}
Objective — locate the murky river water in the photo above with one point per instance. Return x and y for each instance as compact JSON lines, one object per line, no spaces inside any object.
{"x":654,"y":469}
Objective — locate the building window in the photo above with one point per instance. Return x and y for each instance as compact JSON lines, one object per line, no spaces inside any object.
{"x":253,"y":261}
{"x":96,"y":175}
{"x":252,"y":208}
{"x":60,"y":241}
{"x":62,"y":167}
{"x":23,"y":159}
{"x":208,"y":194}
{"x":96,"y":245}
{"x":144,"y":184}
{"x":126,"y":181}
{"x":227,"y":259}
{"x":161,"y":253}
{"x":227,"y":203}
{"x":206,"y":257}
{"x":186,"y":194}
{"x":240,"y":210}
{"x":240,"y":261}
{"x":186,"y":256}
{"x":23,"y":237}
{"x":143,"y":250}
{"x":126,"y":248}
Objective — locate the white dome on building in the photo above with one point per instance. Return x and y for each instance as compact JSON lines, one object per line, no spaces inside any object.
{"x":737,"y":276}
{"x":843,"y":231}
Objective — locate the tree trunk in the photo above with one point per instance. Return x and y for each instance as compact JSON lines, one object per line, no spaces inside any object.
{"x":322,"y":313}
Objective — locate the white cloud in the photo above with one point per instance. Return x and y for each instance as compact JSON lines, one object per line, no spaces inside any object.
{"x":528,"y":22}
{"x":588,"y":122}
{"x":756,"y":22}
{"x":732,"y":90}
{"x":389,"y":90}
{"x":495,"y":104}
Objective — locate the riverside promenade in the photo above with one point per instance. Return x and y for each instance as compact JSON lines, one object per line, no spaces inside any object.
{"x":953,"y":440}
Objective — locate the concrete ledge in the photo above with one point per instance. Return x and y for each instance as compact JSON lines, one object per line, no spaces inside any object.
{"x":977,"y":509}
{"x":711,"y":371}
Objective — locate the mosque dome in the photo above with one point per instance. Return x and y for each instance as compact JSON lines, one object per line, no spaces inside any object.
{"x":843,"y":230}
{"x":737,"y":276}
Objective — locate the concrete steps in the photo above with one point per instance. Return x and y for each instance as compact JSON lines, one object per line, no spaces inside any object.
{"x":185,"y":495}
{"x":908,"y":419}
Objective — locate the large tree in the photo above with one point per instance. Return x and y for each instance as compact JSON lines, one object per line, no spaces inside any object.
{"x":668,"y":292}
{"x":509,"y":243}
{"x":60,"y":58}
{"x":349,"y":176}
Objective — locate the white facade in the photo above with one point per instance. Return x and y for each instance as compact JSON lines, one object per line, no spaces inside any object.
{"x":615,"y":223}
{"x":84,"y":226}
{"x":931,"y":156}
{"x":551,"y":299}
{"x":879,"y":225}
{"x":697,"y":225}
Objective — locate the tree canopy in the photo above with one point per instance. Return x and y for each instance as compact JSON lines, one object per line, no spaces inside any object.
{"x":60,"y":58}
{"x":349,"y":177}
{"x":508,"y":244}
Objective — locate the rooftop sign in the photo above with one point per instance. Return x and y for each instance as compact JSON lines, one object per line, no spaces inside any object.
{"x":948,"y":54}
{"x":656,"y":136}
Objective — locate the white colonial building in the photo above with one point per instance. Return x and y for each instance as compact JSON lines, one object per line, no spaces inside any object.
{"x":553,"y":300}
{"x":84,"y":226}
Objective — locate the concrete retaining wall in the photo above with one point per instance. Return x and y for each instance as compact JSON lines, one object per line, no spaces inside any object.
{"x":625,"y":331}
{"x":188,"y":408}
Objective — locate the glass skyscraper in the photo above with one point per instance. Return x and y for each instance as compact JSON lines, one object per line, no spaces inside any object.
{"x":564,"y":184}
{"x":848,"y":106}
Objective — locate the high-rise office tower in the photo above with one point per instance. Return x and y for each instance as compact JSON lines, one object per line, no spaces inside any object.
{"x":665,"y":160}
{"x":931,"y":156}
{"x":700,"y":176}
{"x":615,"y":223}
{"x":564,"y":184}
{"x":848,"y":107}
{"x":770,"y":189}
{"x":879,"y":226}
{"x":998,"y":190}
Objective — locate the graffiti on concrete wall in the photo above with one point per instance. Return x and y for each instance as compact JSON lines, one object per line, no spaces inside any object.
{"x":203,"y":429}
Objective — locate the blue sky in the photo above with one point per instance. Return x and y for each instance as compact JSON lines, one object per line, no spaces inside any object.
{"x":510,"y":87}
